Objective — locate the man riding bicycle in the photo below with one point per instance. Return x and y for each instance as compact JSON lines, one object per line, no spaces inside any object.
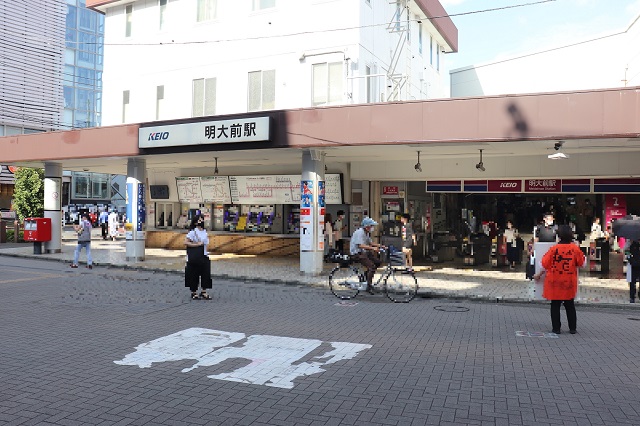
{"x":364,"y":250}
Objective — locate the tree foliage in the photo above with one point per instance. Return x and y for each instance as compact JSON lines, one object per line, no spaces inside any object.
{"x":28,"y":193}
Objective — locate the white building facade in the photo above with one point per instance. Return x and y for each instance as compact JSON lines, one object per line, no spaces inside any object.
{"x":602,"y":61}
{"x":168,"y":59}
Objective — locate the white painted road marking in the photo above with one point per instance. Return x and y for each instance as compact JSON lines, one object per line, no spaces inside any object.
{"x":272,"y":357}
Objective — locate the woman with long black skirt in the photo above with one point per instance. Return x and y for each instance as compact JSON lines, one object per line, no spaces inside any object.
{"x":198,"y":270}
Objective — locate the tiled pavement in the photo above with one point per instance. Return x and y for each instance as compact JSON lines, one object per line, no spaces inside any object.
{"x":470,"y":283}
{"x":432,"y":361}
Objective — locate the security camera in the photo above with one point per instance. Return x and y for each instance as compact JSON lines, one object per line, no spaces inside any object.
{"x":418,"y":167}
{"x":480,"y":167}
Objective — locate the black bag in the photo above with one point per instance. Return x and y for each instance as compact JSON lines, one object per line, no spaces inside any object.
{"x":196,"y":255}
{"x":634,"y":259}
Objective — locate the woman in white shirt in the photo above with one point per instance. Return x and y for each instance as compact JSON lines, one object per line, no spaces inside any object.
{"x":328,"y":234}
{"x":511,"y":240}
{"x":198,"y":269}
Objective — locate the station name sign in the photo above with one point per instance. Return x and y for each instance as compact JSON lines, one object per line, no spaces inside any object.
{"x":205,"y":133}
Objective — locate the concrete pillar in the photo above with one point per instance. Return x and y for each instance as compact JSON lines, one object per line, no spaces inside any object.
{"x":312,"y":212}
{"x":135,"y":225}
{"x":53,"y":205}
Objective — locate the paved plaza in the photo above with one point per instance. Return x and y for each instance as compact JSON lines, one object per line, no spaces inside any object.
{"x":126,"y":346}
{"x":477,"y":283}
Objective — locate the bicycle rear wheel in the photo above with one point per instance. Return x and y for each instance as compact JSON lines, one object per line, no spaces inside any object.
{"x":401,"y":286}
{"x":345,"y":282}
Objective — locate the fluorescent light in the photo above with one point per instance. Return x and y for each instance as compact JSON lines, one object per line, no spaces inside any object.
{"x":558,"y":156}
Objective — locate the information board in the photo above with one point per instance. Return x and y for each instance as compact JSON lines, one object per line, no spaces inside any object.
{"x":215,"y":189}
{"x":275,"y":189}
{"x":189,"y":189}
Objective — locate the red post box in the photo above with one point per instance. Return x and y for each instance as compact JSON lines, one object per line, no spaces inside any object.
{"x":37,"y":229}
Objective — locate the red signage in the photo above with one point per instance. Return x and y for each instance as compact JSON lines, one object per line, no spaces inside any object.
{"x":615,"y":207}
{"x":513,"y":185}
{"x":305,"y":212}
{"x":543,"y":185}
{"x":390,"y":190}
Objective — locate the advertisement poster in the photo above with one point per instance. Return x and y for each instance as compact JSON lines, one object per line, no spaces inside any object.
{"x":306,"y":215}
{"x":321,"y":195}
{"x":615,"y":207}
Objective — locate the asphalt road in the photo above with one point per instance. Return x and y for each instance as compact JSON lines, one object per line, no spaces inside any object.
{"x":287,"y":359}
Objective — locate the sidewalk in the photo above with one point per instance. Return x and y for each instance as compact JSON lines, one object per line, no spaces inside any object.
{"x":490,"y":285}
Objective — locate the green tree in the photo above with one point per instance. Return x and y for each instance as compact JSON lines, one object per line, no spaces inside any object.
{"x":28,"y":193}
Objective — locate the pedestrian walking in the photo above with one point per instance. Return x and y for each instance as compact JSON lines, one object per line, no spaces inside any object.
{"x":104,"y":223}
{"x":511,"y":236}
{"x":560,"y":266}
{"x":633,"y":274}
{"x":338,"y":228}
{"x":328,"y":234}
{"x":408,"y":240}
{"x":198,"y":269}
{"x":83,"y":229}
{"x":113,"y":224}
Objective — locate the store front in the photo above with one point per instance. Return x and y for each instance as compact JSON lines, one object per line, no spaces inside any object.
{"x":245,"y":172}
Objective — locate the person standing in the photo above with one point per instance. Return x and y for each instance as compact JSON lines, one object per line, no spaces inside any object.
{"x":83,"y":229}
{"x":560,"y":266}
{"x":328,"y":234}
{"x":546,"y":233}
{"x":113,"y":224}
{"x":633,"y":275}
{"x":408,"y":240}
{"x":364,"y":250}
{"x":104,"y":223}
{"x":511,"y":240}
{"x":338,"y":229}
{"x":596,"y":230}
{"x":198,"y":270}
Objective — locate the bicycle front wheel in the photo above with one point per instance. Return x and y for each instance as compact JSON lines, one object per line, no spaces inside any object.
{"x":345,"y":282}
{"x":401,"y":286}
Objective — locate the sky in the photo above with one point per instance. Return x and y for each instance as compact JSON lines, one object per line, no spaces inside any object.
{"x":486,"y":37}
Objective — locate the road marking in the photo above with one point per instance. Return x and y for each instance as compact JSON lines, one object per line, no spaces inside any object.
{"x":536,"y":334}
{"x":348,"y":304}
{"x":38,"y":277}
{"x":274,"y":359}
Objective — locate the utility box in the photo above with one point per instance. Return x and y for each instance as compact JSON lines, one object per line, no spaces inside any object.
{"x":38,"y":230}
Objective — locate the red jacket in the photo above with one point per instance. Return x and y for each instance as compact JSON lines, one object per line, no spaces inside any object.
{"x":561,"y":263}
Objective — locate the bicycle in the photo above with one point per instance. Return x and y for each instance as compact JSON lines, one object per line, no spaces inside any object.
{"x":347,"y":279}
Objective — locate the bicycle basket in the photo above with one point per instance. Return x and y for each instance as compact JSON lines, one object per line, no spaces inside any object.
{"x":397,"y":259}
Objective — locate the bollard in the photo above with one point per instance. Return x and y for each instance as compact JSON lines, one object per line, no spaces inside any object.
{"x":16,"y":231}
{"x":3,"y":231}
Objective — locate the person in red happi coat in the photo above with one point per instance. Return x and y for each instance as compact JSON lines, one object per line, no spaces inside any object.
{"x":560,"y":266}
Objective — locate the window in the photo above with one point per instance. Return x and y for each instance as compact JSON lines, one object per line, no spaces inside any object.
{"x":159,"y":101}
{"x":204,"y":97}
{"x":90,"y":185}
{"x":125,"y":105}
{"x":72,"y":16}
{"x":262,"y":90}
{"x":163,"y":12}
{"x":372,"y":83}
{"x":327,"y":83}
{"x":207,"y":10}
{"x":263,"y":4}
{"x":431,"y":49}
{"x":128,"y":11}
{"x":438,"y":57}
{"x":420,"y":38}
{"x":88,"y":19}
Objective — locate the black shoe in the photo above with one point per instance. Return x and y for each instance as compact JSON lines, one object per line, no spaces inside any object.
{"x":370,"y":290}
{"x":556,"y":331}
{"x":573,"y":331}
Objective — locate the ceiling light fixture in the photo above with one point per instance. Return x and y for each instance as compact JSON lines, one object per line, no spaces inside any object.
{"x":480,"y":165}
{"x":558,"y":145}
{"x":215,"y":170}
{"x":418,"y":166}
